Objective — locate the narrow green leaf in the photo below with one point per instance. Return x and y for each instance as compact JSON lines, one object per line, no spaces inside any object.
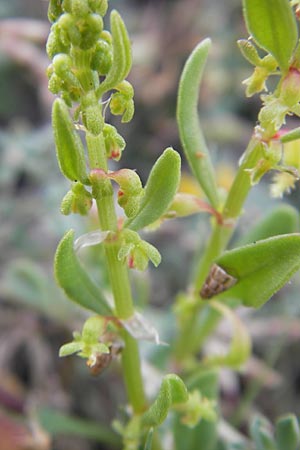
{"x":160,"y":189}
{"x":69,"y":148}
{"x":273,"y":27}
{"x":191,"y":135}
{"x":284,"y":219}
{"x":74,"y":280}
{"x":262,"y":268}
{"x":292,"y":135}
{"x":287,"y":433}
{"x":122,"y":58}
{"x":58,"y":424}
{"x":172,"y":392}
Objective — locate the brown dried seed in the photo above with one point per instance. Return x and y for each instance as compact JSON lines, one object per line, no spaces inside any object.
{"x":217,"y":281}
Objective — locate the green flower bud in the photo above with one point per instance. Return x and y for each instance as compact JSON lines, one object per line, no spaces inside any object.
{"x":55,"y":44}
{"x":121,"y":102}
{"x":114,"y":142}
{"x":67,"y":6}
{"x":80,"y":8}
{"x":90,"y":31}
{"x":54,"y":10}
{"x":66,"y":203}
{"x":77,"y":201}
{"x":55,"y":84}
{"x":130,"y":192}
{"x":137,"y":252}
{"x":102,"y":58}
{"x":98,"y":6}
{"x":62,"y":65}
{"x":69,"y":29}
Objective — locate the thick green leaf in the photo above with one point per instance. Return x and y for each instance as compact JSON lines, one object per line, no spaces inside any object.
{"x":69,"y":148}
{"x":74,"y":280}
{"x":262,"y":268}
{"x":287,"y":433}
{"x":160,"y":189}
{"x":283,"y":219}
{"x":172,"y":392}
{"x":191,"y":135}
{"x":273,"y":27}
{"x":122,"y":59}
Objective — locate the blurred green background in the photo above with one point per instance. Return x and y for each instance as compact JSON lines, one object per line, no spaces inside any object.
{"x":54,"y":403}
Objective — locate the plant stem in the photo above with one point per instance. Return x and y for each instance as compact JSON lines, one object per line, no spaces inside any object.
{"x":198,"y":328}
{"x":118,"y":275}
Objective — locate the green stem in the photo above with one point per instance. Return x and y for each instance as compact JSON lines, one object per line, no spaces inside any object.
{"x":118,"y":275}
{"x":198,"y":328}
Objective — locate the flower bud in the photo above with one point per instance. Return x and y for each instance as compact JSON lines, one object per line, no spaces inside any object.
{"x":98,"y":6}
{"x":102,"y":58}
{"x":80,"y":8}
{"x":114,"y":143}
{"x":91,"y":31}
{"x":54,"y":10}
{"x":77,"y":201}
{"x":131,"y":190}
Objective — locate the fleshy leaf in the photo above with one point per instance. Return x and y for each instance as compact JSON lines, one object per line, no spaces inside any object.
{"x":172,"y":392}
{"x":262,"y":268}
{"x":159,"y":191}
{"x":69,"y":148}
{"x":273,"y":27}
{"x":283,"y":219}
{"x":191,"y":135}
{"x":75,"y":282}
{"x":261,"y":434}
{"x":121,"y":54}
{"x":287,"y":432}
{"x":240,"y":345}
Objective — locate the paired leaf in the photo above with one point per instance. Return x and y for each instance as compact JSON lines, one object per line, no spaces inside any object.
{"x":273,"y":27}
{"x":74,"y":280}
{"x":159,"y":191}
{"x":191,"y":135}
{"x":261,"y":268}
{"x":284,"y":219}
{"x":172,"y":392}
{"x":69,"y":148}
{"x":122,"y":59}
